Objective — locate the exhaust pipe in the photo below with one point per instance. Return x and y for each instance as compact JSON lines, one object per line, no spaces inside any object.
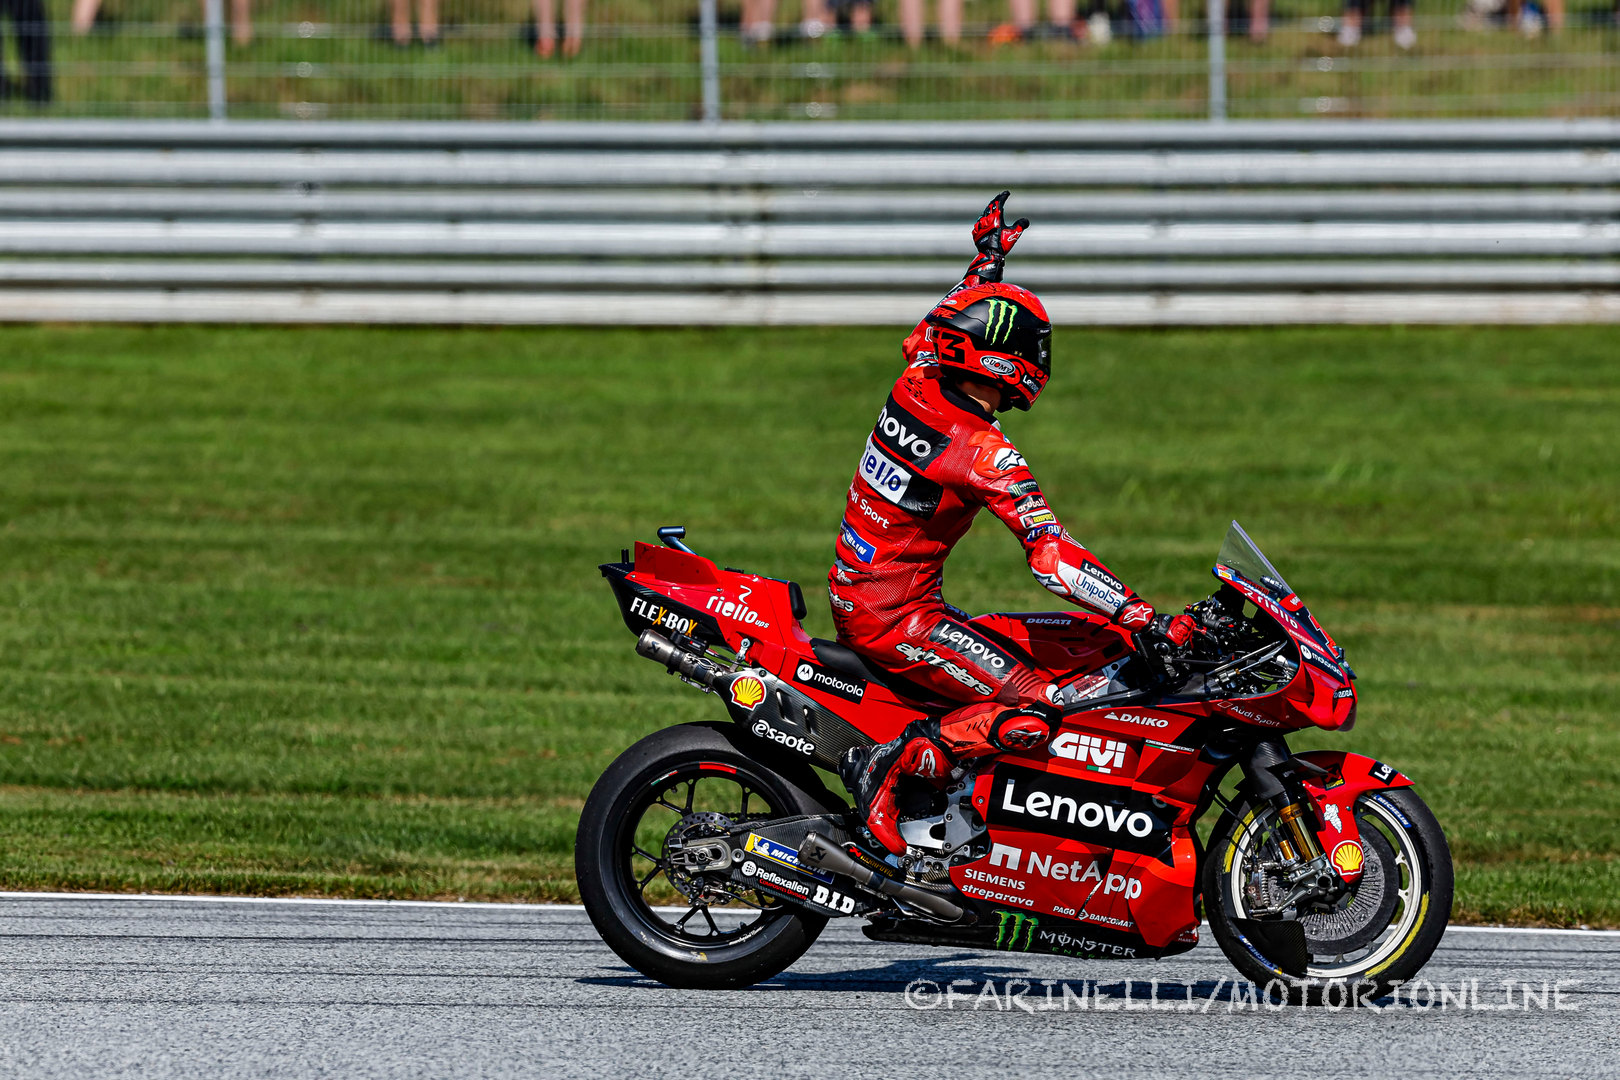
{"x":823,"y":854}
{"x":687,"y":665}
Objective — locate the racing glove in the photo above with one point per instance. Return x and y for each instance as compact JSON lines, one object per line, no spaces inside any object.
{"x":1134,"y":614}
{"x":994,"y":239}
{"x":1138,"y":614}
{"x":1176,"y":629}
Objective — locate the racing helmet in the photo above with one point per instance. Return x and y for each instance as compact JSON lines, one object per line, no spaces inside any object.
{"x":994,"y":332}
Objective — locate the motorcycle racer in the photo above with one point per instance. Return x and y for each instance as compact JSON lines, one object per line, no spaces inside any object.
{"x":936,"y":456}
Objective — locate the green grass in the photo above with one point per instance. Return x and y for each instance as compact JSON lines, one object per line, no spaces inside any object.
{"x":316,"y":611}
{"x":640,"y":62}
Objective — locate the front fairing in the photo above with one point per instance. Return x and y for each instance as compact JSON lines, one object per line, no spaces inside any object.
{"x":1322,"y":690}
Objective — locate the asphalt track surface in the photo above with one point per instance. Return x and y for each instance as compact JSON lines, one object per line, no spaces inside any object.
{"x":152,"y":987}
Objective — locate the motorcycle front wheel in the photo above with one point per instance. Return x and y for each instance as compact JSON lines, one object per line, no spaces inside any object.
{"x":678,"y":784}
{"x":1378,"y":935}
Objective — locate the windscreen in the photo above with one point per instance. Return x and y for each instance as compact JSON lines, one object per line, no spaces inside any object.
{"x":1239,"y":553}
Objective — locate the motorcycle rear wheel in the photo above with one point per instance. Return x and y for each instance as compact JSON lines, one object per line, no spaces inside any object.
{"x":672,"y":778}
{"x":1390,"y":926}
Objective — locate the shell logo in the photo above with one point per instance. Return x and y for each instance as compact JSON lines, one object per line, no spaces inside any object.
{"x":747,"y":691}
{"x":1347,"y":857}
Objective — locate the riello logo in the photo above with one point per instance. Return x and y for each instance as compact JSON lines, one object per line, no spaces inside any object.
{"x":735,"y":609}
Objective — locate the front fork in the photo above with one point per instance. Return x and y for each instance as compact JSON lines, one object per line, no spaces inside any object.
{"x":1300,"y":845}
{"x":1311,"y":881}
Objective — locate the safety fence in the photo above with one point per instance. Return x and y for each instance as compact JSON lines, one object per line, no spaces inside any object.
{"x":816,"y":60}
{"x":800,"y":223}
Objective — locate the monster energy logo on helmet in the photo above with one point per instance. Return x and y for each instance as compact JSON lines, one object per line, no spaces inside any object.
{"x":1011,"y":926}
{"x":998,"y":321}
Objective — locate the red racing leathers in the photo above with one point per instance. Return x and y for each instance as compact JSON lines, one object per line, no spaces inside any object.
{"x":933,"y":460}
{"x":935,"y":457}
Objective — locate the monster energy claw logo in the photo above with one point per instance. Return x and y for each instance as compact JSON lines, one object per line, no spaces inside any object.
{"x":1019,"y":925}
{"x":998,"y":322}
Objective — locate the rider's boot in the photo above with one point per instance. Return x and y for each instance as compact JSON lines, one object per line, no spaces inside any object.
{"x":928,"y":749}
{"x":872,"y":774}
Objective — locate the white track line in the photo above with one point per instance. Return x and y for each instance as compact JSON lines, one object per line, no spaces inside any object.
{"x":1529,"y":930}
{"x":192,"y":898}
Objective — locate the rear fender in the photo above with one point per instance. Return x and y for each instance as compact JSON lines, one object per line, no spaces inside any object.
{"x":1349,"y":776}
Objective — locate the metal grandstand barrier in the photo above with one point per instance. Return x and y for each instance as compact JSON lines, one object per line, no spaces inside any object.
{"x":1244,"y":222}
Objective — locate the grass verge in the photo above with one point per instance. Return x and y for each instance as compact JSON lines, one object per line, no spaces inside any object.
{"x":315,"y":611}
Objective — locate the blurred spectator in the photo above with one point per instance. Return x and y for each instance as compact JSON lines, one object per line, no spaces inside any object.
{"x":1145,"y":19}
{"x":545,"y":22}
{"x":817,"y":19}
{"x":1532,"y":16}
{"x":33,"y":49}
{"x":1152,"y":18}
{"x":1260,"y":18}
{"x":427,"y":22}
{"x":950,"y":21}
{"x":756,"y":21}
{"x":857,"y":12}
{"x":1060,"y":21}
{"x":241,"y":22}
{"x":241,"y":18}
{"x":1529,"y":17}
{"x":820,"y":18}
{"x":1400,"y":13}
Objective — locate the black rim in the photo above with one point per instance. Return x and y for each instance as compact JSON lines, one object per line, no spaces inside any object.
{"x":662,"y":804}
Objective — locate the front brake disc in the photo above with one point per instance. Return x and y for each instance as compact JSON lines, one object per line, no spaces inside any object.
{"x":1365,"y":913}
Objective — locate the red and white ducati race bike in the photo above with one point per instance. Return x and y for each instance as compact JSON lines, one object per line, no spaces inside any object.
{"x":711,"y":855}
